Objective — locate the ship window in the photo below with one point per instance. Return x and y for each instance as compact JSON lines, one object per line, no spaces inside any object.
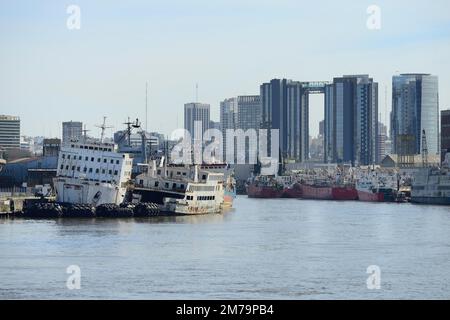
{"x":156,"y":183}
{"x":90,"y":170}
{"x":116,"y":172}
{"x":97,"y":170}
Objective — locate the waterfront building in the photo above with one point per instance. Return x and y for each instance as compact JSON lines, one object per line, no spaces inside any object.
{"x":284,"y":106}
{"x":228,"y":121}
{"x":415,"y":109}
{"x":351,"y":120}
{"x":244,"y":113}
{"x":71,"y":131}
{"x":9,"y":132}
{"x":51,"y":147}
{"x":445,"y":133}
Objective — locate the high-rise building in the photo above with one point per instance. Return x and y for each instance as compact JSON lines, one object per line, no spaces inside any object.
{"x":351,"y":120}
{"x":194,"y":112}
{"x":242,"y":112}
{"x":72,"y":130}
{"x":445,"y":133}
{"x":284,"y":106}
{"x":415,"y":109}
{"x":9,"y":132}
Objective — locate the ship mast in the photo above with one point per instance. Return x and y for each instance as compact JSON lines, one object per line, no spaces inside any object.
{"x":103,"y":126}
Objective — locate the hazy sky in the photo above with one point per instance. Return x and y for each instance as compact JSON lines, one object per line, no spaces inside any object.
{"x":50,"y":74}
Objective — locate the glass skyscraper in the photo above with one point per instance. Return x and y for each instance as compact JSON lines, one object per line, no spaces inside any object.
{"x":285,"y":106}
{"x":415,"y":109}
{"x":351,"y":120}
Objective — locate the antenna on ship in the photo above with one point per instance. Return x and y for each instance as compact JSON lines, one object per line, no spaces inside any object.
{"x":103,"y":126}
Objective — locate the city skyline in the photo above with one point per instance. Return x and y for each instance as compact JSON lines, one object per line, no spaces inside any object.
{"x":52,"y":74}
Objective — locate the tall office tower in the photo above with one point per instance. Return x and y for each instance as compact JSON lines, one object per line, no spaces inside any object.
{"x":228,"y":120}
{"x":72,"y":130}
{"x":445,"y":133}
{"x":196,"y":112}
{"x":351,"y":120}
{"x":284,"y":106}
{"x":242,"y":112}
{"x":249,"y":118}
{"x":415,"y":109}
{"x":381,"y":142}
{"x":9,"y":132}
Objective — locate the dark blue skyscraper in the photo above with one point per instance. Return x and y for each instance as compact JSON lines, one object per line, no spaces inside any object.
{"x":351,"y":120}
{"x":415,"y":109}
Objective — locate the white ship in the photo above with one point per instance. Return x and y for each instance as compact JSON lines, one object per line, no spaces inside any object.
{"x":92,"y":173}
{"x":181,"y":189}
{"x":432,"y":185}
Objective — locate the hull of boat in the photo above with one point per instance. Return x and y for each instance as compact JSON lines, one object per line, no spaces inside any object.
{"x":254,"y":191}
{"x":344,"y":193}
{"x":431,"y":200}
{"x":369,"y":196}
{"x":316,"y":192}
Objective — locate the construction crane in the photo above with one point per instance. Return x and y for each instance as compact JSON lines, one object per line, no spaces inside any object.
{"x":424,"y":150}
